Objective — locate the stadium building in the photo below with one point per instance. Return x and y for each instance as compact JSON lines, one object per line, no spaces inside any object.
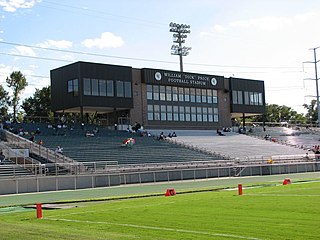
{"x":155,"y":98}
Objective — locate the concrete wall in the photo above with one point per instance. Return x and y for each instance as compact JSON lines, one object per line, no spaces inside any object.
{"x":71,"y":182}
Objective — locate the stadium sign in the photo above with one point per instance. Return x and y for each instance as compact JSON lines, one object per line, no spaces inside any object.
{"x":164,"y":77}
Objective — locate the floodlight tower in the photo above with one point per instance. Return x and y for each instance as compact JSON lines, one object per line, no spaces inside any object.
{"x":316,"y":79}
{"x":180,"y":32}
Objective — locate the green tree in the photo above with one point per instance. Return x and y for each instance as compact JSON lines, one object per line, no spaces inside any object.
{"x":4,"y":103}
{"x":17,"y":82}
{"x":39,"y":104}
{"x":312,"y":111}
{"x":276,"y":113}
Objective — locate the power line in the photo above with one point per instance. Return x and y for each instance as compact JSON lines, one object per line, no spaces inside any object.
{"x":42,"y":58}
{"x":101,"y":14}
{"x":132,"y":58}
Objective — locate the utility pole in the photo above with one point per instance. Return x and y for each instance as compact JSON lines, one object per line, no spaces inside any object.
{"x":180,"y":32}
{"x":316,"y":79}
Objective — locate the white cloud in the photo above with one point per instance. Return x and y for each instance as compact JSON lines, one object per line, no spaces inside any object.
{"x":58,"y":44}
{"x":265,"y":23}
{"x":23,"y":50}
{"x":106,"y":40}
{"x":13,"y":5}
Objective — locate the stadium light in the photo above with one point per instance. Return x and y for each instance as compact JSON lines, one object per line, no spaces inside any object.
{"x":179,"y":35}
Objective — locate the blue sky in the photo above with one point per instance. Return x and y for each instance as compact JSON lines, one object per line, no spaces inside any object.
{"x":255,"y":39}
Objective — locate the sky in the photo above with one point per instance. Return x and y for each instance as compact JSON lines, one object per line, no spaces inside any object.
{"x":269,"y":40}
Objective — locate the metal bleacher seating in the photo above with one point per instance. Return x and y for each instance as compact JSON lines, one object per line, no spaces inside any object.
{"x":107,"y":146}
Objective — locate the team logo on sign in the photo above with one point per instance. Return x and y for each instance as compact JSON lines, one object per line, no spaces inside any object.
{"x":213,"y":81}
{"x":157,"y":76}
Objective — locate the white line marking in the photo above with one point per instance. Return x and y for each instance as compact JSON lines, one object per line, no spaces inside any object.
{"x":157,"y":228}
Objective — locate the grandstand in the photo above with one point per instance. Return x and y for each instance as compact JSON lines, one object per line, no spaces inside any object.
{"x":102,"y":160}
{"x":106,"y":145}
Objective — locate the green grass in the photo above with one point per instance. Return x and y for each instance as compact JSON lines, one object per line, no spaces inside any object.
{"x":278,"y":212}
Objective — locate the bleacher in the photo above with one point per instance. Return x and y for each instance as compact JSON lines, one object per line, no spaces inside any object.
{"x":8,"y":168}
{"x":107,"y":146}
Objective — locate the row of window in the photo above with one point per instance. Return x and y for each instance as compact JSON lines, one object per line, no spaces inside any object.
{"x":182,"y":113}
{"x":247,"y":98}
{"x":100,"y":87}
{"x":181,"y":94}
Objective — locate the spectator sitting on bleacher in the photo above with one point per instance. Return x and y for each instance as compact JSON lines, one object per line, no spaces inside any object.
{"x":89,"y":134}
{"x":219,"y":132}
{"x":162,"y":136}
{"x":2,"y":157}
{"x":95,"y":130}
{"x":59,"y":150}
{"x":31,"y":138}
{"x":37,"y":131}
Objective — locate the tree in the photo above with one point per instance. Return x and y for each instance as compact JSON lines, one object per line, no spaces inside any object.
{"x":39,"y":104}
{"x":4,"y":103}
{"x":276,"y":113}
{"x":312,"y":111}
{"x":17,"y":82}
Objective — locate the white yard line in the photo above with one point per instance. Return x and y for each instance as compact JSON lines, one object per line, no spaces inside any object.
{"x":157,"y":228}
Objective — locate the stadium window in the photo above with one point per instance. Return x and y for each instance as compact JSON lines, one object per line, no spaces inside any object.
{"x":193,"y":114}
{"x":102,"y":88}
{"x":149,"y":92}
{"x":205,"y":114}
{"x":155,"y":92}
{"x":260,"y":99}
{"x":181,"y":95}
{"x":192,"y":95}
{"x":127,"y":89}
{"x":186,"y":94}
{"x":251,"y":97}
{"x":209,"y":96}
{"x":70,"y":86}
{"x":156,"y":111}
{"x":120,"y":89}
{"x":168,"y":93}
{"x":214,"y":96}
{"x":86,"y":86}
{"x":162,"y":93}
{"x":215,"y":115}
{"x":210,"y":115}
{"x":234,"y":97}
{"x":163,"y":112}
{"x":169,"y":113}
{"x":110,"y":88}
{"x":256,"y":98}
{"x":198,"y":95}
{"x":150,"y":112}
{"x":240,"y":99}
{"x":174,"y":94}
{"x":199,"y":114}
{"x":181,"y":113}
{"x":175,"y":113}
{"x":75,"y":87}
{"x":94,"y":87}
{"x":246,"y":98}
{"x":204,"y":95}
{"x":187,"y":110}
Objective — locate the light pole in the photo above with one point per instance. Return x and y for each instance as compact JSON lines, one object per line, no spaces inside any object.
{"x":316,"y":79}
{"x":180,"y":32}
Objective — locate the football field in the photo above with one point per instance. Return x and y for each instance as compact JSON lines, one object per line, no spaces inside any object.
{"x":262,"y":212}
